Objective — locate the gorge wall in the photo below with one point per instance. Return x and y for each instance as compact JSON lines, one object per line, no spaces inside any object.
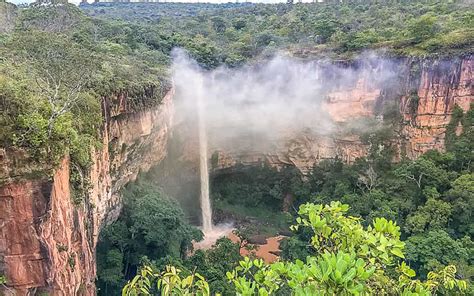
{"x":425,"y":96}
{"x":443,"y":84}
{"x":48,"y":244}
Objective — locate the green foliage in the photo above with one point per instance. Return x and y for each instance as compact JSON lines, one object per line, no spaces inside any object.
{"x":240,"y":32}
{"x":456,"y":118}
{"x":461,"y":197}
{"x":430,"y":195}
{"x":423,"y":172}
{"x":423,"y":28}
{"x":461,"y":144}
{"x":214,"y":263}
{"x":333,"y":231}
{"x":71,"y":260}
{"x":433,"y":215}
{"x":435,"y":249}
{"x":169,"y":282}
{"x":60,"y":111}
{"x":110,"y":271}
{"x":270,"y":221}
{"x":53,"y":18}
{"x":259,"y":186}
{"x":349,"y":260}
{"x":151,"y":225}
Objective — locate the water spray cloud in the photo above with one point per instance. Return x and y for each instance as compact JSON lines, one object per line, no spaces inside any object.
{"x":253,"y":107}
{"x":256,"y":105}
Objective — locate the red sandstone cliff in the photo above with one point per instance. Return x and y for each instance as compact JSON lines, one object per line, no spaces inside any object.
{"x":47,"y":244}
{"x":438,"y":84}
{"x":443,"y":84}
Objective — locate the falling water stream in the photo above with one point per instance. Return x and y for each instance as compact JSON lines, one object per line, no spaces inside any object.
{"x":204,"y":172}
{"x":211,"y":232}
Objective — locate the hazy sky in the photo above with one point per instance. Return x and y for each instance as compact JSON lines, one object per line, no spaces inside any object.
{"x":209,"y":1}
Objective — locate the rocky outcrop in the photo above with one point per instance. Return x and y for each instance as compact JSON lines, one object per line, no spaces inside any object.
{"x":133,"y":142}
{"x":46,"y":242}
{"x":425,"y":93}
{"x":45,"y":247}
{"x":302,"y":151}
{"x":427,"y":110}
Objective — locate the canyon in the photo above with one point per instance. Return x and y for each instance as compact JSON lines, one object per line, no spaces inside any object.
{"x":47,"y":244}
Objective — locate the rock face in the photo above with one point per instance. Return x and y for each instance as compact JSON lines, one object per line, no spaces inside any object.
{"x":426,"y":93}
{"x":443,"y":84}
{"x":302,"y":151}
{"x":47,"y":244}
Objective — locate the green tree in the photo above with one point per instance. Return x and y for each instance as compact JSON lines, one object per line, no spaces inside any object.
{"x":110,"y":272}
{"x":461,"y":198}
{"x":434,"y":214}
{"x":324,"y":28}
{"x":434,"y":250}
{"x":213,"y":264}
{"x":423,"y":28}
{"x":218,"y":24}
{"x":423,"y":172}
{"x":151,"y":226}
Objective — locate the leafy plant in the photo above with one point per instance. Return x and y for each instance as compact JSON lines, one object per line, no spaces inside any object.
{"x":169,"y":282}
{"x":348,"y":260}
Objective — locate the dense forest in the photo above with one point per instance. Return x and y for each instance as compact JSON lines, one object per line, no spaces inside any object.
{"x":373,"y":227}
{"x":234,"y":33}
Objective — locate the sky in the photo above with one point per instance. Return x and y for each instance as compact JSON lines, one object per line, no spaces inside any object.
{"x":188,"y":1}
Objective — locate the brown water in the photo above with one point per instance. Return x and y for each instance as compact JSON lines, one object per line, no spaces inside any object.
{"x":265,"y":251}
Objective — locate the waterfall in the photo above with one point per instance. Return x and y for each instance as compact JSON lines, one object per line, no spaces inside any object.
{"x":206,"y":210}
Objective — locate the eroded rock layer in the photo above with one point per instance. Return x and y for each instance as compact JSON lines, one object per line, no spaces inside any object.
{"x":443,"y":84}
{"x":425,"y":94}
